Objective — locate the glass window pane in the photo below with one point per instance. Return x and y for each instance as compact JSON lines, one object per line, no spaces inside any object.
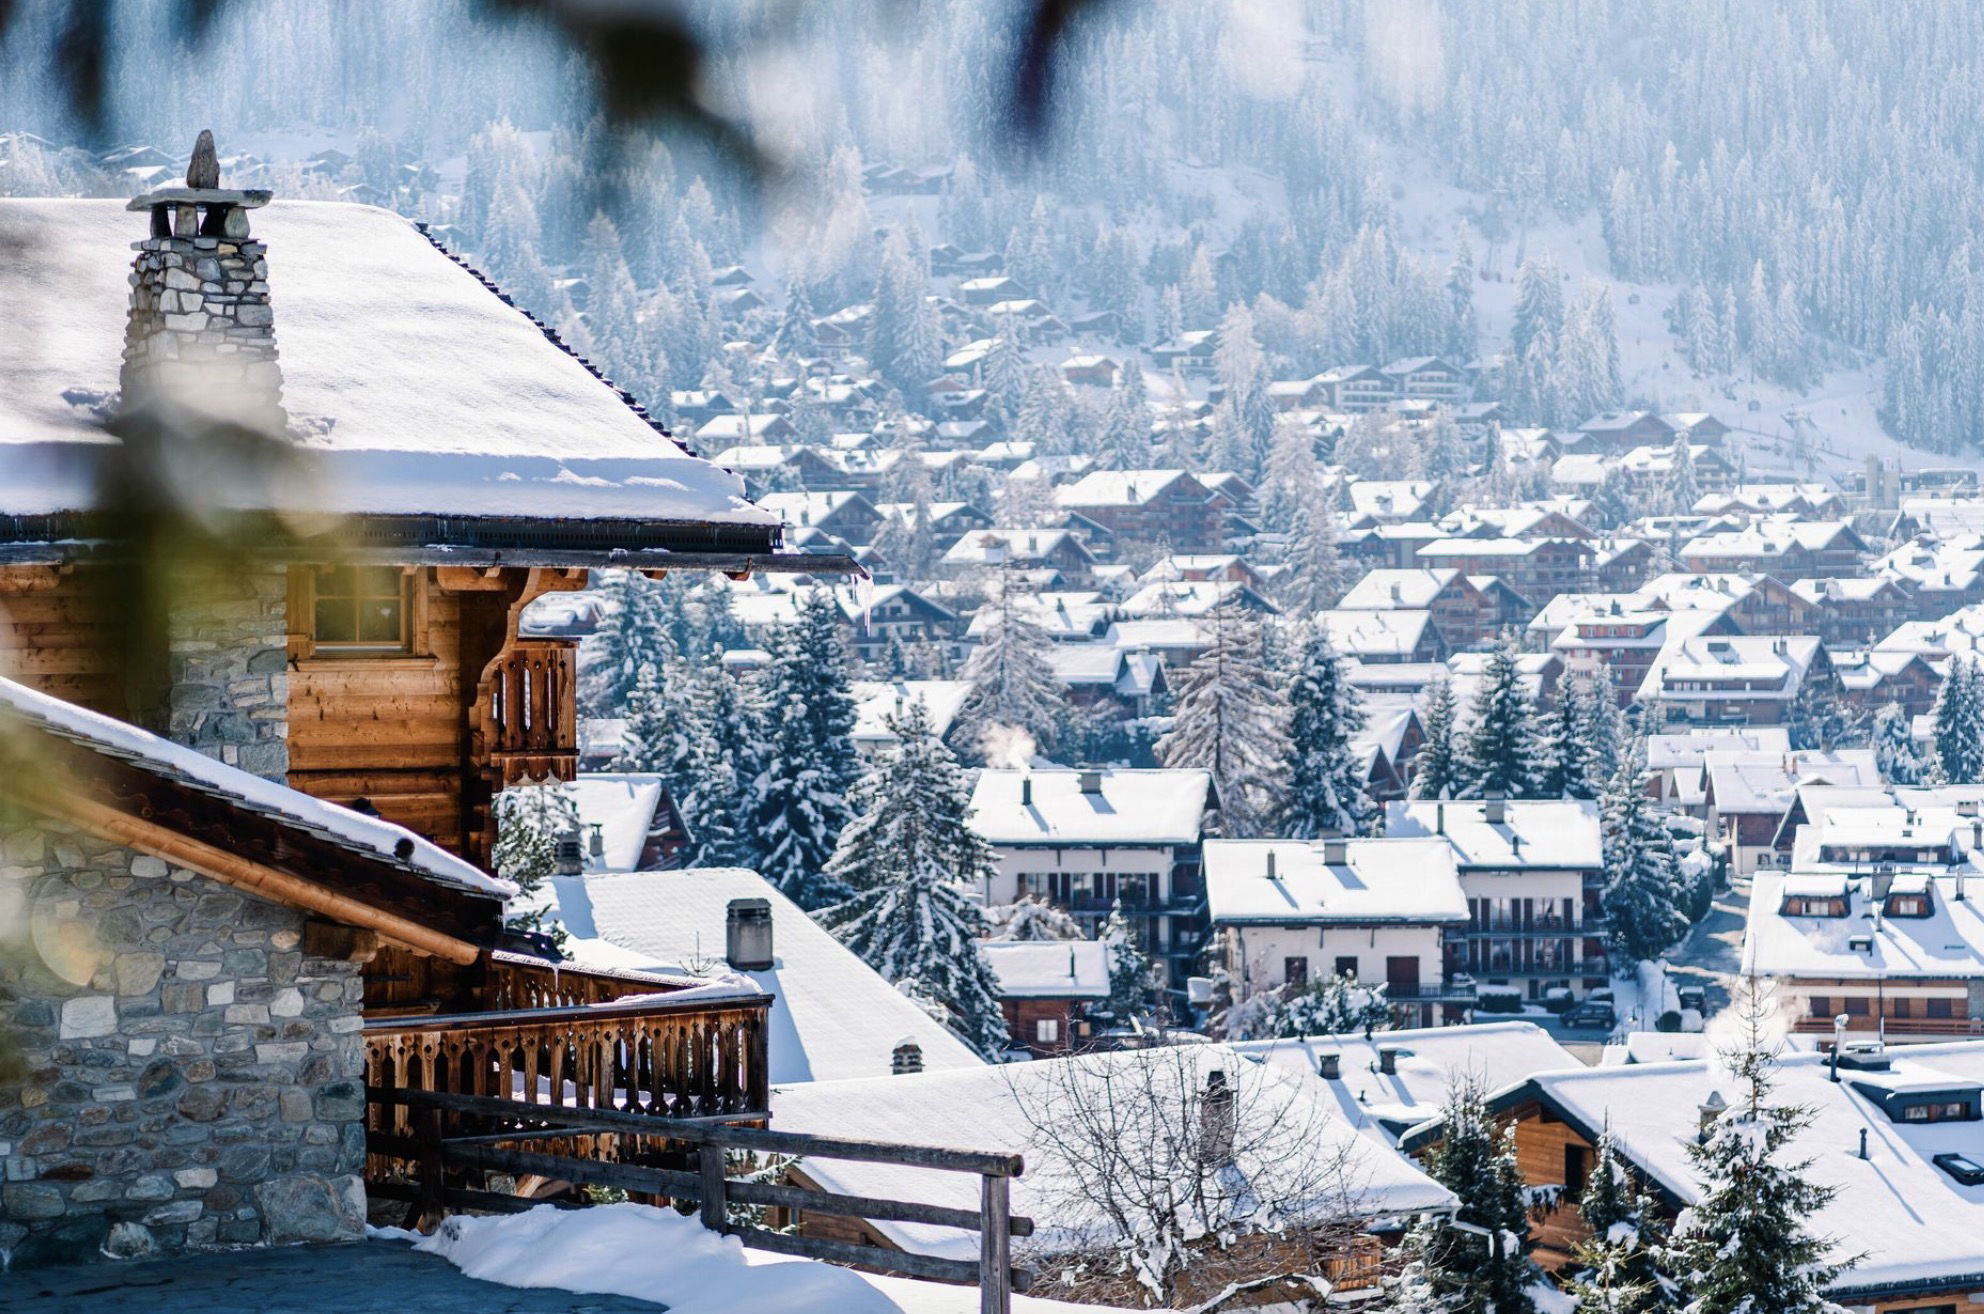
{"x":335,"y":623}
{"x":379,"y":620}
{"x":379,"y":581}
{"x":334,"y":581}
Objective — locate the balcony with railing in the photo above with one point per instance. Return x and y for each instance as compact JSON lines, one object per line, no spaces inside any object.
{"x":562,"y":1036}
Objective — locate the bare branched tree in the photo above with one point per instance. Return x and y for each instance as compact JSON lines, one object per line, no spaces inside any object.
{"x":1185,"y":1174}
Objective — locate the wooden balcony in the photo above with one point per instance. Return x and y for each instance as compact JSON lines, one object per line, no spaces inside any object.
{"x":568,"y":1037}
{"x":527,"y":721}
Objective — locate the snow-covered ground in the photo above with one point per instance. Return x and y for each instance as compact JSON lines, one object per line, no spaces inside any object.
{"x":656,"y":1254}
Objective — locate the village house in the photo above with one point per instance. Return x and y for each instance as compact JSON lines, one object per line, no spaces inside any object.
{"x":1150,"y":506}
{"x":1856,"y":611}
{"x":1870,"y":679}
{"x":1743,"y":604}
{"x":1741,"y":679}
{"x":1088,"y":840}
{"x":1046,"y":989}
{"x":1885,"y":1131}
{"x":1533,"y":567}
{"x":1785,"y":548}
{"x":1356,"y":389}
{"x":1945,"y":575}
{"x":267,"y":825}
{"x":1467,"y":611}
{"x":1285,"y":913}
{"x":1428,"y":378}
{"x":1385,"y":637}
{"x":1058,"y":550}
{"x":1532,"y":872}
{"x":1620,"y":431}
{"x":1748,"y":794}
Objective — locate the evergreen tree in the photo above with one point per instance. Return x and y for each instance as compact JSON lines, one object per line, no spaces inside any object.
{"x":1476,"y":1160}
{"x":1228,"y":720}
{"x":530,"y":820}
{"x":1325,"y":772}
{"x":1582,"y":739}
{"x":632,"y":634}
{"x":1683,"y":489}
{"x":657,"y":739}
{"x":1328,"y":1006}
{"x":1012,"y":686}
{"x":1894,"y":748}
{"x":800,"y":800}
{"x":795,"y":336}
{"x":1125,"y":437}
{"x":913,"y":862}
{"x":1031,"y":918}
{"x":1746,"y":1245}
{"x":1959,"y":717}
{"x":1642,"y":898}
{"x":726,"y":747}
{"x":1501,"y":752}
{"x":1617,"y":1270}
{"x":1133,"y":977}
{"x":1437,"y":767}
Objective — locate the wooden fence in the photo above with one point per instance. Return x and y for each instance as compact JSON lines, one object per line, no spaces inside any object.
{"x":454,"y":1140}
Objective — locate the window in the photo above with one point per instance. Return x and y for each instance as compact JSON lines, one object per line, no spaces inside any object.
{"x":1821,"y":1006}
{"x":360,"y":607}
{"x":1937,"y":1111}
{"x":1939,"y":1008}
{"x":1346,"y":965}
{"x":1854,"y":1006}
{"x":1047,"y":1031}
{"x":1574,"y":1169}
{"x":1295,"y":971}
{"x":1908,"y":905}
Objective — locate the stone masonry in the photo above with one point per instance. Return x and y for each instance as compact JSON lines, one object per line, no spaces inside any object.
{"x":186,"y":1076}
{"x":227,"y":678}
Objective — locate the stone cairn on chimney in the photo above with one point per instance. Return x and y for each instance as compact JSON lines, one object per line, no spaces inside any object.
{"x":202,"y":332}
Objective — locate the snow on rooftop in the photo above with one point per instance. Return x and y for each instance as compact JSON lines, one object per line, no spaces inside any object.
{"x":1049,"y":969}
{"x":1948,"y":944}
{"x":875,"y":701}
{"x":1150,"y":806}
{"x":1533,"y":833}
{"x":419,"y":389}
{"x":1911,"y":1221}
{"x":622,"y":805}
{"x":832,"y":1017}
{"x":375,"y":838}
{"x":986,"y":1109}
{"x":1293,"y":882}
{"x":1428,"y":1061}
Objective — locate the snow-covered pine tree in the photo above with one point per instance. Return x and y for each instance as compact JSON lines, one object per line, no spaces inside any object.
{"x":1476,"y":1160}
{"x":1133,"y":978}
{"x":726,"y":751}
{"x":658,"y":736}
{"x":1959,"y":717}
{"x":632,"y":634}
{"x":1436,"y":768}
{"x":800,"y":799}
{"x":1012,"y":686}
{"x":1581,"y":730}
{"x":795,"y":336}
{"x":530,"y":820}
{"x":1683,"y":488}
{"x":1617,"y":1271}
{"x":1326,"y":1006}
{"x":1501,"y":752}
{"x":912,"y":860}
{"x":1125,"y":438}
{"x":1228,"y":720}
{"x":1324,"y":793}
{"x":1746,"y":1245}
{"x":1642,"y":899}
{"x":1894,"y":747}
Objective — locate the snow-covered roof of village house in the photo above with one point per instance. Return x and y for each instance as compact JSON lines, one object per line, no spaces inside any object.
{"x":420,"y":391}
{"x":1385,"y":588}
{"x":1534,"y":833}
{"x":1948,"y":944}
{"x":622,"y":805}
{"x":377,"y":839}
{"x":994,"y":1108}
{"x":1128,"y":807}
{"x":1049,"y":969}
{"x":832,"y":1017}
{"x":1766,"y":782}
{"x":1909,"y":1221}
{"x":1286,"y":882}
{"x":1428,"y":1061}
{"x":1375,"y":635}
{"x":1117,"y":487}
{"x":875,"y":701}
{"x":1689,"y":748}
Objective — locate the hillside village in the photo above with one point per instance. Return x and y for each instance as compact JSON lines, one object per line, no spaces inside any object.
{"x":1018,"y":762}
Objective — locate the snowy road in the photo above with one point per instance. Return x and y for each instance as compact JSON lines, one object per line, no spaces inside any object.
{"x":1712,"y":953}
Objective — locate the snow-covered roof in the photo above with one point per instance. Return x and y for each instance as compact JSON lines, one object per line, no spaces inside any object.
{"x":1376,"y":635}
{"x":875,"y":701}
{"x":1753,"y":782}
{"x":832,"y":1017}
{"x":622,"y":805}
{"x":1123,"y":807}
{"x":1385,"y":589}
{"x":1117,"y":487}
{"x":420,"y":391}
{"x":1533,"y":833}
{"x":1911,"y":1223}
{"x":1690,"y":748}
{"x":1948,"y":944}
{"x":1332,"y":882}
{"x":379,"y":840}
{"x":1049,"y":969}
{"x":988,"y":1109}
{"x":1428,"y":1060}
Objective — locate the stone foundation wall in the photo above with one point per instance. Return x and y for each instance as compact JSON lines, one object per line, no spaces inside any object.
{"x":182,"y":1074}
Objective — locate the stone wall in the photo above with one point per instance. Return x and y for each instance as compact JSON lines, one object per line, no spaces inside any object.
{"x":226,"y":686}
{"x":184,"y":1076}
{"x":201,"y":331}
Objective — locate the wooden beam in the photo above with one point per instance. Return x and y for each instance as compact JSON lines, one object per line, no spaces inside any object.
{"x":470,"y":579}
{"x":218,"y":864}
{"x":353,"y":944}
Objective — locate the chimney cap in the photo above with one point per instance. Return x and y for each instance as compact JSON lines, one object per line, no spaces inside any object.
{"x":203,"y":170}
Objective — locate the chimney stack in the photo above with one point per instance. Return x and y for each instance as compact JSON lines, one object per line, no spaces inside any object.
{"x":201,"y":332}
{"x":906,"y":1059}
{"x":1091,"y":782}
{"x":1026,"y":791}
{"x":1336,"y":852}
{"x":1329,"y":1065}
{"x":1707,"y":1112}
{"x":1217,"y":1118}
{"x":1388,"y":1060}
{"x":747,"y":935}
{"x":1496,"y":809}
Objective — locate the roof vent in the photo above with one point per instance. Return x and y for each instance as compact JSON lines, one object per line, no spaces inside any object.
{"x":1336,"y":852}
{"x":1091,"y":782}
{"x":1496,"y":808}
{"x":1707,"y":1112}
{"x":1860,"y":944}
{"x":1271,"y":871}
{"x":569,"y":854}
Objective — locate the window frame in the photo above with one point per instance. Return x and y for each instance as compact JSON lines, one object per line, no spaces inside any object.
{"x":307,"y":643}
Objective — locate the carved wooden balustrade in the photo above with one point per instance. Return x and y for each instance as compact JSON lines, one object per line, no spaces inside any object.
{"x":527,"y":726}
{"x":571,"y":1037}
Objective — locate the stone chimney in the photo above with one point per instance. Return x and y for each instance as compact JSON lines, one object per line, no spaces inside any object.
{"x":907,"y":1058}
{"x":202,"y":332}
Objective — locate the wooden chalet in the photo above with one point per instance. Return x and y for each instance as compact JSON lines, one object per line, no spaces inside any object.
{"x":258,"y":832}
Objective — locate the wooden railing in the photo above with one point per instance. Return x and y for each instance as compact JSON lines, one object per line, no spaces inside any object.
{"x":528,"y":722}
{"x":635,"y":1051}
{"x":1863,"y":1024}
{"x":455,"y":1141}
{"x":521,"y":981}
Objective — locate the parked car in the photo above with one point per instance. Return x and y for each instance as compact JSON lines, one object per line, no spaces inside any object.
{"x":1591,"y":1013}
